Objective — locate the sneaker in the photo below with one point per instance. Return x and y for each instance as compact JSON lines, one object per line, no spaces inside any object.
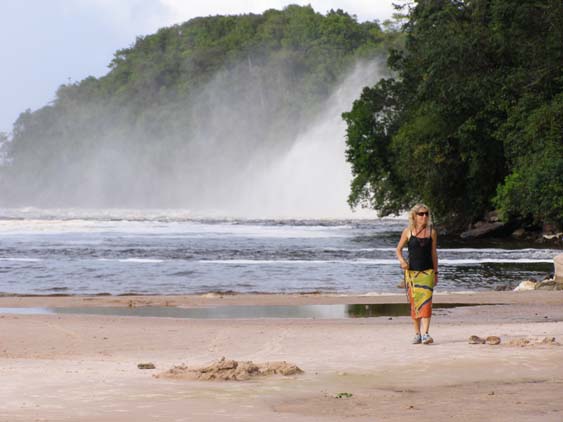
{"x":417,"y":339}
{"x":426,"y":339}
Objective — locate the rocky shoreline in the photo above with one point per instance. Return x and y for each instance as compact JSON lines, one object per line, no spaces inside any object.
{"x":491,"y":226}
{"x":552,"y":282}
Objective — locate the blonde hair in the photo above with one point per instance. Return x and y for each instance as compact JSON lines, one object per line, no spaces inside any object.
{"x":412,"y":216}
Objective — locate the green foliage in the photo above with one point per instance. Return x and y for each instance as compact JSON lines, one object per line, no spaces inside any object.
{"x":368,"y":138}
{"x":162,"y":93}
{"x":475,"y":101}
{"x":534,"y":143}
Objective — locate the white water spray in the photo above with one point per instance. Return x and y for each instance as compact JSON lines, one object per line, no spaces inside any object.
{"x":312,"y":180}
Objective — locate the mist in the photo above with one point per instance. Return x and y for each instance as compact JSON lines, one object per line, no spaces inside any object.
{"x":311,"y":178}
{"x":244,"y":145}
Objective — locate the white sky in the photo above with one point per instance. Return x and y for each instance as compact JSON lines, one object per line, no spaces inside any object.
{"x":49,"y":43}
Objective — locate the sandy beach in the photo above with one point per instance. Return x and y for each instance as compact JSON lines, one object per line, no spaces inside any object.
{"x":72,"y":367}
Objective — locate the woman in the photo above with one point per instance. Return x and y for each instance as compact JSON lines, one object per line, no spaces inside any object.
{"x":421,"y":270}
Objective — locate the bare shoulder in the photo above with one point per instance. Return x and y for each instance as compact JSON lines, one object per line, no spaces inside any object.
{"x":404,"y":238}
{"x":406,"y":233}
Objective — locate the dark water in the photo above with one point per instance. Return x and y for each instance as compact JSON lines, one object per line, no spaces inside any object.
{"x":174,"y":254}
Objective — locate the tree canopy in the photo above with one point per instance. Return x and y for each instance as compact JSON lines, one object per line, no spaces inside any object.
{"x":472,"y":119}
{"x":178,"y":104}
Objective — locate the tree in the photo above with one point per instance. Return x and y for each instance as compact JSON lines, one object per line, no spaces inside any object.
{"x":468,"y":74}
{"x":188,"y":105}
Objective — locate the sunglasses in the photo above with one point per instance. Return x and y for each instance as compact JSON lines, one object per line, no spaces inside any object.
{"x":423,"y":213}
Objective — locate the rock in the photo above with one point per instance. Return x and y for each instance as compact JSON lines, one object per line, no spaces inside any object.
{"x":526,"y":285}
{"x":558,"y":263}
{"x":484,"y":230}
{"x":519,"y":233}
{"x":549,"y":285}
{"x":493,"y":340}
{"x":492,"y":217}
{"x":476,"y":340}
{"x":549,"y":228}
{"x":148,"y":365}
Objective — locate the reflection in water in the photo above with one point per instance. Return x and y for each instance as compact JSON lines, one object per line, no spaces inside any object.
{"x":240,"y":312}
{"x":392,"y":309}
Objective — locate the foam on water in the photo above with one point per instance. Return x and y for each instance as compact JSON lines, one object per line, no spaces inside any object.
{"x":120,"y":252}
{"x":184,"y":228}
{"x":449,"y":262}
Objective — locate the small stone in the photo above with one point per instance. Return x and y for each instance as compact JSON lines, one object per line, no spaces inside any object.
{"x":148,"y":365}
{"x":492,"y":393}
{"x":476,"y":340}
{"x":493,"y":340}
{"x":526,"y":285}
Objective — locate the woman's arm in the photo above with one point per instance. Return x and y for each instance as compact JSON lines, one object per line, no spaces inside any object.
{"x":435,"y":255}
{"x":404,"y":239}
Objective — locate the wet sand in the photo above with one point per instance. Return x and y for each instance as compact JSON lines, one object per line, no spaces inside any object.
{"x":84,"y":367}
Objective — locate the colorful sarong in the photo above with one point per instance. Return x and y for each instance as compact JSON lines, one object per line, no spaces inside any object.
{"x":420,"y":286}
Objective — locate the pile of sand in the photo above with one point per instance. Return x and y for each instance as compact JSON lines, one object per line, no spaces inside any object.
{"x":231,"y":370}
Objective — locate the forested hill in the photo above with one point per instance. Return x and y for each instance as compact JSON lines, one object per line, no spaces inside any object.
{"x":474,"y":118}
{"x":181,"y":110}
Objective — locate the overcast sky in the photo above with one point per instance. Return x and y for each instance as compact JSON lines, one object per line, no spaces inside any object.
{"x":46,"y":43}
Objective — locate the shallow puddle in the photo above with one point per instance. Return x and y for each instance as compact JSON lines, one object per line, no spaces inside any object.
{"x":240,"y":312}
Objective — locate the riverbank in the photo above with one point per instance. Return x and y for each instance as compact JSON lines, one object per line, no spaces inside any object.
{"x":65,"y":367}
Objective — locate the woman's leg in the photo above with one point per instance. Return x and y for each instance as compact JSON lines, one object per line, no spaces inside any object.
{"x":416,"y":323}
{"x":425,"y":325}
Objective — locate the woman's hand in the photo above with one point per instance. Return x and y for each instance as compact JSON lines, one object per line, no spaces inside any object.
{"x":402,"y":242}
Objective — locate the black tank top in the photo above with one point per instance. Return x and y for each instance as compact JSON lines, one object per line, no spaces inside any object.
{"x":420,"y":253}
